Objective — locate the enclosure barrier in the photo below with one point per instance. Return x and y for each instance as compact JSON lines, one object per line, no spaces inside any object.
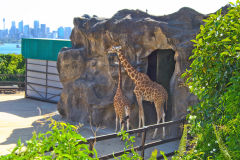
{"x":13,"y":85}
{"x":143,"y":146}
{"x":42,"y":78}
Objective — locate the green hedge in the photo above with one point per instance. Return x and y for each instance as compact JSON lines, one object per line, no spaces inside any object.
{"x":215,"y":78}
{"x":11,"y":64}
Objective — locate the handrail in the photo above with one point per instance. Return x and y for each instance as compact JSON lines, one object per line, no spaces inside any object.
{"x":11,"y":82}
{"x":143,"y":146}
{"x":6,"y":85}
{"x":13,"y":75}
{"x":139,"y":148}
{"x":139,"y":130}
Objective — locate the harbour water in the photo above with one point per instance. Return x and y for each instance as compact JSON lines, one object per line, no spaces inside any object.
{"x":10,"y":48}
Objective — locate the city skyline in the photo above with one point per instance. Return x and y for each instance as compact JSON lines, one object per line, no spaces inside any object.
{"x":21,"y":30}
{"x":57,"y":13}
{"x":31,"y":25}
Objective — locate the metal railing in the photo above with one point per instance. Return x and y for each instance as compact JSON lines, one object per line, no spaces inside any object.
{"x":13,"y":82}
{"x":36,"y":79}
{"x":143,"y":145}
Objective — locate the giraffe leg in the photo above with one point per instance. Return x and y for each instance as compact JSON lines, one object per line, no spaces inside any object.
{"x":141,"y":111}
{"x":159,"y":108}
{"x":128,"y":123}
{"x":127,"y":114}
{"x":116,"y":124}
{"x":139,"y":118}
{"x":121,"y":124}
{"x":163,"y":120}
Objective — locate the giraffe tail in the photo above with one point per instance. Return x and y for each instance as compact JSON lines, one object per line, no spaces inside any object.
{"x":166,"y":102}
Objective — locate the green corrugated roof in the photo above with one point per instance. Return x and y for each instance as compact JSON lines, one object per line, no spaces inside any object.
{"x":44,"y":49}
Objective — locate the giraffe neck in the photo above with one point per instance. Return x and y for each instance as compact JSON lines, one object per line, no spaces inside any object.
{"x":132,"y":72}
{"x":119,"y":75}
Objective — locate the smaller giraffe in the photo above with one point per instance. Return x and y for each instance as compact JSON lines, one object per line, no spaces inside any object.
{"x":121,"y":103}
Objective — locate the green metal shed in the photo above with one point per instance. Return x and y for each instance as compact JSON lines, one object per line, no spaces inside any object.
{"x":42,"y":79}
{"x":43,"y":49}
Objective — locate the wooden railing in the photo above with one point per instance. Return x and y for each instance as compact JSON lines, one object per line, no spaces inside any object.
{"x":141,"y":147}
{"x":7,"y":85}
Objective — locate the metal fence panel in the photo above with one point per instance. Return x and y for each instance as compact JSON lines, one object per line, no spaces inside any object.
{"x":42,"y":80}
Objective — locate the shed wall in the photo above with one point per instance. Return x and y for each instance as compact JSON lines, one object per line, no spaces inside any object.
{"x":43,"y":49}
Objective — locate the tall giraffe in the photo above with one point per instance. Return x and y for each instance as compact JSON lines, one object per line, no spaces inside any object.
{"x":145,"y":89}
{"x":121,"y":103}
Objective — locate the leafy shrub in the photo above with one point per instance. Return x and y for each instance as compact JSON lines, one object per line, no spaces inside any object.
{"x":215,"y":77}
{"x":182,"y":149}
{"x":62,"y":142}
{"x":62,"y":134}
{"x":129,"y":140}
{"x":11,"y":64}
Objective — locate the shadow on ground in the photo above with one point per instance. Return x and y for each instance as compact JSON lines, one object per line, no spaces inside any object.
{"x":25,"y":107}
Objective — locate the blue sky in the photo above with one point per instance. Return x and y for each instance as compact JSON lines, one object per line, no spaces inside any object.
{"x":57,"y":13}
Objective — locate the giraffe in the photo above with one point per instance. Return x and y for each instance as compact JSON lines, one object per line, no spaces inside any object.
{"x":145,"y":89}
{"x":121,"y":103}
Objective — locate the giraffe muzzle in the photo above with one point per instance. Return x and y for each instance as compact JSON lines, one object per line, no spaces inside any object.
{"x":125,"y":119}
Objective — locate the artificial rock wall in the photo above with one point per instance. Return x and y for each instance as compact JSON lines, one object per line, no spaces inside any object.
{"x":89,"y":76}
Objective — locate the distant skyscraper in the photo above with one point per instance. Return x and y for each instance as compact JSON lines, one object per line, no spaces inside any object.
{"x":13,"y":30}
{"x":20,"y":27}
{"x":48,"y":30}
{"x":3,"y":34}
{"x":26,"y":31}
{"x":54,"y":35}
{"x":67,"y":32}
{"x":43,"y":31}
{"x":36,"y":28}
{"x":61,"y":33}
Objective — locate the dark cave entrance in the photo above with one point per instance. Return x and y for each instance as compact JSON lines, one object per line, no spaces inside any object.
{"x":161,"y":66}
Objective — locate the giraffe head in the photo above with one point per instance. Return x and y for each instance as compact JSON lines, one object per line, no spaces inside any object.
{"x":127,"y":115}
{"x":132,"y":72}
{"x":127,"y":111}
{"x":114,"y":49}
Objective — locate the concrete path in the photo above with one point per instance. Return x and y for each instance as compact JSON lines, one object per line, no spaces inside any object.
{"x":17,"y":115}
{"x":20,"y":116}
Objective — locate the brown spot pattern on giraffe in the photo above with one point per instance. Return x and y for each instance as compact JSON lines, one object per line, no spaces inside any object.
{"x":120,"y":101}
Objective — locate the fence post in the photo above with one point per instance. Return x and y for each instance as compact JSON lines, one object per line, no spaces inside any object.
{"x":46,"y":88}
{"x":26,"y":69}
{"x":91,"y":142}
{"x":143,"y":141}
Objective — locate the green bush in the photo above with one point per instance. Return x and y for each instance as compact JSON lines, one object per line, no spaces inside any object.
{"x":129,"y":140}
{"x":11,"y":64}
{"x":62,"y":143}
{"x":215,"y":78}
{"x":62,"y":134}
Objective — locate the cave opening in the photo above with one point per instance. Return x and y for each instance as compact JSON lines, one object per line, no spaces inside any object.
{"x":161,"y":65}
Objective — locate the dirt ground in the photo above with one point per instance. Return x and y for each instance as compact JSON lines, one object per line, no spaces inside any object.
{"x":20,"y":116}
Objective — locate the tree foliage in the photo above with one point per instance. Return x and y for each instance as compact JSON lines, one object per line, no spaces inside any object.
{"x":215,"y":78}
{"x":11,"y":64}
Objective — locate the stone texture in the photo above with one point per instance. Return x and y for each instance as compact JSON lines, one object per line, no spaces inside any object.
{"x":89,"y":75}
